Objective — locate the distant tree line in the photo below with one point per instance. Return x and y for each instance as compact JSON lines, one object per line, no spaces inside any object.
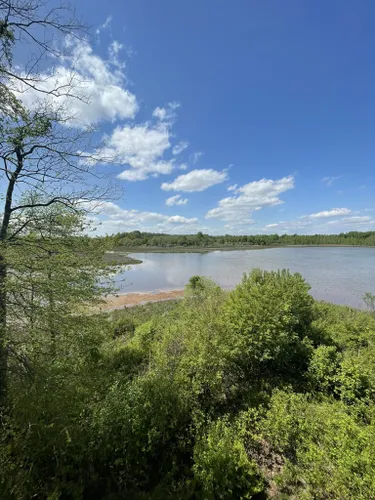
{"x":140,"y":239}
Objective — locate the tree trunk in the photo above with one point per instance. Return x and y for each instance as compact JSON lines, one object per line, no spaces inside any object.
{"x":3,"y":274}
{"x":3,"y":335}
{"x":51,"y":317}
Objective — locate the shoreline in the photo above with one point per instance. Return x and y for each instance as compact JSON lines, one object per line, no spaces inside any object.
{"x":135,"y":250}
{"x":132,"y":299}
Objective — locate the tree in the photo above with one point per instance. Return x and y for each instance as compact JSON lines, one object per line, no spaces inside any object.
{"x":50,"y":285}
{"x":268,"y":317}
{"x":41,"y":166}
{"x":42,"y":158}
{"x":32,"y":23}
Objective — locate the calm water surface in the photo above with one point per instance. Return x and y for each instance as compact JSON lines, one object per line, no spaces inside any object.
{"x":341,"y":274}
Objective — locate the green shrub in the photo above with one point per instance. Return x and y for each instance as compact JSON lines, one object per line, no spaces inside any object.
{"x":328,"y":452}
{"x":222,"y":468}
{"x":141,"y":436}
{"x":182,"y":404}
{"x":324,"y":367}
{"x":124,"y":327}
{"x":268,"y":317}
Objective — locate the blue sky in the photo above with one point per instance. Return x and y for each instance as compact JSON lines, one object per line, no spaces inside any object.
{"x":233,"y":117}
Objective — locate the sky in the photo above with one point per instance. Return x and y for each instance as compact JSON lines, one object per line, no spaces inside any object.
{"x":240,"y":117}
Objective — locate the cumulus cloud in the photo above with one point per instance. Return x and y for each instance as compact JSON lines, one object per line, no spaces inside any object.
{"x":252,"y":196}
{"x":113,"y":219}
{"x":196,"y":180}
{"x":86,"y":88}
{"x":141,"y":147}
{"x":178,"y":219}
{"x":335,"y":212}
{"x":176,"y":200}
{"x":232,"y":188}
{"x":133,"y":175}
{"x":159,"y":113}
{"x":178,"y":148}
{"x":97,"y":93}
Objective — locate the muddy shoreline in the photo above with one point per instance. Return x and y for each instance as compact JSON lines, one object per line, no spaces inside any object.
{"x":113,"y":302}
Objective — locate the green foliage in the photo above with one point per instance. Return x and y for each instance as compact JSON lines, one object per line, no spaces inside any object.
{"x":328,"y":452}
{"x":140,"y":433}
{"x":200,"y":287}
{"x":142,"y":313}
{"x":54,"y":281}
{"x":222,"y":468}
{"x":323,"y":368}
{"x":245,"y":394}
{"x":369,"y":300}
{"x":268,"y":317}
{"x":355,"y":380}
{"x":124,"y":327}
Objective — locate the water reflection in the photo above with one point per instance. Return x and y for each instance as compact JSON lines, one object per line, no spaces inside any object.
{"x":340,"y":275}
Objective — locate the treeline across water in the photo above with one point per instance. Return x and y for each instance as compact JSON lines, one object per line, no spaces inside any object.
{"x":139,"y":239}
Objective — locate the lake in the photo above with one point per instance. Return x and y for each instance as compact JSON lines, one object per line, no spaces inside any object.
{"x":336,"y":274}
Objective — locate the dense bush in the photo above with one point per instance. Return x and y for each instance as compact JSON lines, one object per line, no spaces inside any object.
{"x":268,"y":318}
{"x":328,"y":451}
{"x":222,"y":468}
{"x":254,"y":393}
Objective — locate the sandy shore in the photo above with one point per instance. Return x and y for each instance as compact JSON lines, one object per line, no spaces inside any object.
{"x":135,"y":299}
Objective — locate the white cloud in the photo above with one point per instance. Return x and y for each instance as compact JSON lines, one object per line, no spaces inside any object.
{"x":289,"y":227}
{"x":95,"y":87}
{"x":159,"y":113}
{"x":166,"y":114}
{"x":113,"y":219}
{"x":321,"y":225}
{"x":133,"y":175}
{"x":105,"y":25}
{"x":176,"y":200}
{"x":115,"y":48}
{"x":196,"y":180}
{"x":252,"y":196}
{"x":142,"y":147}
{"x":335,"y":212}
{"x":195,"y":156}
{"x":178,"y":219}
{"x":328,"y":181}
{"x":232,"y":188}
{"x":178,"y":148}
{"x":360,"y":219}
